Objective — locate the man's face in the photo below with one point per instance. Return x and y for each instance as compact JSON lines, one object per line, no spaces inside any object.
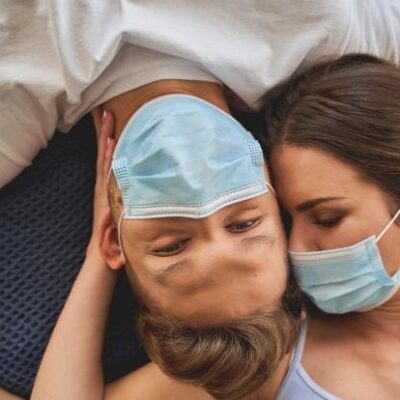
{"x":214,"y":269}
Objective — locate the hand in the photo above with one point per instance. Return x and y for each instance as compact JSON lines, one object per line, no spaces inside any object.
{"x":104,"y":124}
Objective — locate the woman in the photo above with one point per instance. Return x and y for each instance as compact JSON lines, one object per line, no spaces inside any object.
{"x":334,"y":137}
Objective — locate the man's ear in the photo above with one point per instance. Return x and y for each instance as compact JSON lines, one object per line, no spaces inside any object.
{"x":109,"y":246}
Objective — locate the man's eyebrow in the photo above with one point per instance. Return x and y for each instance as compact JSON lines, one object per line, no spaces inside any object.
{"x":309,"y":204}
{"x":235,"y":213}
{"x":161,"y":276}
{"x":149,"y":237}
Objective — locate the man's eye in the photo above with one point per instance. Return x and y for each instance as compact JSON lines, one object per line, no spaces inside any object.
{"x":171,"y":249}
{"x":243,"y":226}
{"x":328,"y":222}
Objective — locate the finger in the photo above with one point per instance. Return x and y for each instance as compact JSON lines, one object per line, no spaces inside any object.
{"x":107,"y":123}
{"x":96,"y":115}
{"x":107,"y":127}
{"x":102,"y":175}
{"x":108,"y":156}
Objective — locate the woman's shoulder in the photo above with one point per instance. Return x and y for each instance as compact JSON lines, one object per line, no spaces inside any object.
{"x":150,"y":383}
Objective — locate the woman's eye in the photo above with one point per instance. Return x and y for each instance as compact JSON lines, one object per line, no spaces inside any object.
{"x":171,"y":249}
{"x":243,"y":226}
{"x":328,"y":222}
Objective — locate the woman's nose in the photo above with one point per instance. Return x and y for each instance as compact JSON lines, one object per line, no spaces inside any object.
{"x":299,"y":239}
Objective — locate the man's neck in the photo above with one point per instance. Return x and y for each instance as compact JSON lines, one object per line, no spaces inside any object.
{"x":126,"y":104}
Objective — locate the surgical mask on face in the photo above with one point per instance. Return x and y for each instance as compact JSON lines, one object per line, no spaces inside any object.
{"x":180,"y":156}
{"x":347,"y":279}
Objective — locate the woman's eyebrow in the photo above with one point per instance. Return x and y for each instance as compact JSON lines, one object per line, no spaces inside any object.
{"x":309,"y":204}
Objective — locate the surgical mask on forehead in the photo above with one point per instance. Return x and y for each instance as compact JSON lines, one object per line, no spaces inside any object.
{"x":180,"y":156}
{"x":346,"y":279}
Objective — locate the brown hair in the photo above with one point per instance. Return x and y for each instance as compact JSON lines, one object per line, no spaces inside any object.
{"x":230,"y":360}
{"x":349,"y":107}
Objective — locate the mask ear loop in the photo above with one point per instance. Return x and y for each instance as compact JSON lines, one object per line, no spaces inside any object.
{"x":272,"y":189}
{"x":391,"y":222}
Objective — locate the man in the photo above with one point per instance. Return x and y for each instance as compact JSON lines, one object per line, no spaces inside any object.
{"x":197,"y":227}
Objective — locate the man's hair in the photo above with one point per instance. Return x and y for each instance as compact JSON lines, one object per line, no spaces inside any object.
{"x":230,"y":361}
{"x":348,"y":107}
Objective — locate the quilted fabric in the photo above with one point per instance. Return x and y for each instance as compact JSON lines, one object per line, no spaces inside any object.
{"x":45,"y":223}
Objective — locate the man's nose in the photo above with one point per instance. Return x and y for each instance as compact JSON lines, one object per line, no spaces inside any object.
{"x":219,"y":249}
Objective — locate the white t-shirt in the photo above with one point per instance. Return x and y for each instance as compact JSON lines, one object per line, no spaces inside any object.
{"x":61,"y":58}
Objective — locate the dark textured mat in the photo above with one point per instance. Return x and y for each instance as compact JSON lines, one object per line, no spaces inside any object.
{"x":45,"y":222}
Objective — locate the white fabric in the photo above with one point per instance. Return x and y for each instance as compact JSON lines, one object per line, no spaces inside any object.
{"x":60,"y":58}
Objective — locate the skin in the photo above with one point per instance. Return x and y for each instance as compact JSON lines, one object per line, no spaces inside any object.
{"x":360,"y":209}
{"x":184,"y":263}
{"x":4,"y":395}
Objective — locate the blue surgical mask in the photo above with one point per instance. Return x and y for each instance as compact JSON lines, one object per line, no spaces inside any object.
{"x":347,"y":279}
{"x":180,"y":156}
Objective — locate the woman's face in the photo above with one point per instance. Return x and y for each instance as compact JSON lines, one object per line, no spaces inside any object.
{"x":330,"y":204}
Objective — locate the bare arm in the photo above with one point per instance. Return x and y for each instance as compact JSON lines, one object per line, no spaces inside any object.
{"x":71,"y":366}
{"x":4,"y":395}
{"x":150,"y":383}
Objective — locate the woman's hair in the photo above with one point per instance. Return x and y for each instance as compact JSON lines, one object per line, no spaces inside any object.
{"x":350,"y":108}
